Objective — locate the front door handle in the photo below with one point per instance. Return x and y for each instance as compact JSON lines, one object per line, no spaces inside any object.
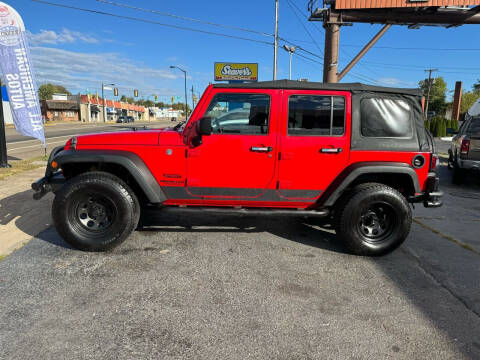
{"x":331,"y":150}
{"x":261,"y":149}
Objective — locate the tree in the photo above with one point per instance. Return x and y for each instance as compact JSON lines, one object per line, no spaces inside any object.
{"x":438,"y":94}
{"x":147,"y":103}
{"x":468,"y":99}
{"x":476,"y":87}
{"x":46,"y":91}
{"x":123,"y":98}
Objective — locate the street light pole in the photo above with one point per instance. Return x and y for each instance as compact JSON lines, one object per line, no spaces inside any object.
{"x":104,"y":102}
{"x":193,"y":97}
{"x":185,"y":76}
{"x":291,"y":51}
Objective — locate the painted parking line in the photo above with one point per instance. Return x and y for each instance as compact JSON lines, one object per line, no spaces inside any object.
{"x":32,"y":146}
{"x":25,"y":141}
{"x":52,"y":137}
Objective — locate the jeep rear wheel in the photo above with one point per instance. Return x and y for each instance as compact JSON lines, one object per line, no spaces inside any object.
{"x":95,"y":211}
{"x":373,"y":220}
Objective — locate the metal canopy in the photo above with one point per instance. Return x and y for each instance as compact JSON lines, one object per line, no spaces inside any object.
{"x":336,"y":13}
{"x":403,"y":16}
{"x":371,"y":4}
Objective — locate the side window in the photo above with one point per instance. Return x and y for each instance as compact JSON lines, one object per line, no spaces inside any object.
{"x":316,"y":115}
{"x":246,"y":114}
{"x":381,"y":117}
{"x":474,"y":127}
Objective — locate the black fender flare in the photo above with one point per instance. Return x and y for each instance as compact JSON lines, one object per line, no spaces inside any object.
{"x":128,"y":160}
{"x":348,"y":176}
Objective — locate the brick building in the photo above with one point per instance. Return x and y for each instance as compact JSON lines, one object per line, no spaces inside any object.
{"x":60,"y":110}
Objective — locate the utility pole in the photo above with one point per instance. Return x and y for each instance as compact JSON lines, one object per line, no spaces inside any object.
{"x":275,"y":43}
{"x":332,"y":41}
{"x":3,"y":139}
{"x":429,"y":89}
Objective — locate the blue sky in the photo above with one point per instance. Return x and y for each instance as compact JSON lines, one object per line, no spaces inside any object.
{"x":80,"y":50}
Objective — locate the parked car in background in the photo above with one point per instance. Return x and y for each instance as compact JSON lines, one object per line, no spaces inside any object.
{"x":464,"y":152}
{"x":125,"y":119}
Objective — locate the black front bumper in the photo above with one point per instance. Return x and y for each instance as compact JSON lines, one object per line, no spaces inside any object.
{"x":46,"y":184}
{"x":432,"y":195}
{"x":53,"y":179}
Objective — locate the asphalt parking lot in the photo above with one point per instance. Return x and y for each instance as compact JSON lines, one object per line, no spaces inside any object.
{"x":227,"y":287}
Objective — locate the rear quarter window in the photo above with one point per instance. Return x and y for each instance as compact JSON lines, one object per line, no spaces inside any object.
{"x":386,"y":118}
{"x":474,"y":127}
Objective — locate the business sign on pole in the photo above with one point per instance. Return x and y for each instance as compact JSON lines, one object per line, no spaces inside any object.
{"x":236,"y":71}
{"x":17,"y":72}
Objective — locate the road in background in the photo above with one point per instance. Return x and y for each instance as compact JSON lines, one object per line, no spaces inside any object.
{"x":21,"y":147}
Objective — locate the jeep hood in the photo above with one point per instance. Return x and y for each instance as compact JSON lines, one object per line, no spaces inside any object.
{"x":138,"y":137}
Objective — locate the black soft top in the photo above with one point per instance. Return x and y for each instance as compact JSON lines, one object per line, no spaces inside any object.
{"x":304,"y":85}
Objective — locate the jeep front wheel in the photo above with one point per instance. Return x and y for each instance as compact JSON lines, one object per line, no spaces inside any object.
{"x":95,"y":211}
{"x":373,"y":220}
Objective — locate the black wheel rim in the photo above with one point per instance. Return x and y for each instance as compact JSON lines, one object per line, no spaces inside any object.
{"x":377,"y":222}
{"x":95,"y":212}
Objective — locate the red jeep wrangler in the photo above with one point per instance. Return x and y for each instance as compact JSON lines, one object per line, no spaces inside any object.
{"x":352,"y":154}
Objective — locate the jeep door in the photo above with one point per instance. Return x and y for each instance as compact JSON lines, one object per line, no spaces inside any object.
{"x":238,"y":159}
{"x":315,"y":141}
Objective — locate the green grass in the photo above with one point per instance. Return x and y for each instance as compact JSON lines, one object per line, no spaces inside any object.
{"x":20,"y":166}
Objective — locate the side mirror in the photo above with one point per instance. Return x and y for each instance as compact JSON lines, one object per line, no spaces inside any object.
{"x":204,"y":126}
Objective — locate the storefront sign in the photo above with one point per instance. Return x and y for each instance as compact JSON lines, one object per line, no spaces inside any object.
{"x":236,"y":71}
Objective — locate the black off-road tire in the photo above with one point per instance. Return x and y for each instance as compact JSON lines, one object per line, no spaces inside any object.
{"x":95,"y":211}
{"x":373,"y":219}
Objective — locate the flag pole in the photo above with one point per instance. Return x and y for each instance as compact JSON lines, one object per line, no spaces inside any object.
{"x":3,"y":139}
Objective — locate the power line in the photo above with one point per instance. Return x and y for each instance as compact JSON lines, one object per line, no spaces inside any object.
{"x":303,"y":25}
{"x":289,"y":41}
{"x":115,"y":3}
{"x":151,"y":22}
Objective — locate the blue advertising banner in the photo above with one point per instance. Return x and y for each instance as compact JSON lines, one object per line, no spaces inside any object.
{"x":17,"y":72}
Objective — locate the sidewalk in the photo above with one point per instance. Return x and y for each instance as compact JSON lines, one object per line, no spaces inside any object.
{"x":21,"y":217}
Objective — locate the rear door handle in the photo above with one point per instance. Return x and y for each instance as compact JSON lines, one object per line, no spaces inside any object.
{"x":331,"y":150}
{"x":261,"y":149}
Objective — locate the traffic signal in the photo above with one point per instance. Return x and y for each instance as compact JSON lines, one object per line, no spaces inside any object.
{"x":156,"y":98}
{"x":173,"y":99}
{"x":135,"y":93}
{"x":115,"y":92}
